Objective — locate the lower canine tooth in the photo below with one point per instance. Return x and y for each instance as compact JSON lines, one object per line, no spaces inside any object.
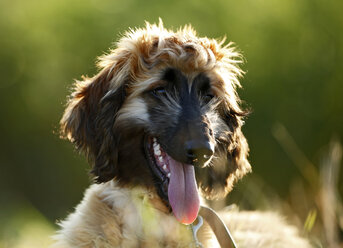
{"x":160,"y":158}
{"x":168,"y":175}
{"x":164,"y":167}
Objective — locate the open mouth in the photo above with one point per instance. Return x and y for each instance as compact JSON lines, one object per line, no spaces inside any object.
{"x":178,"y":183}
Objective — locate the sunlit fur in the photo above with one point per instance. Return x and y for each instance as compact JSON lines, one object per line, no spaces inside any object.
{"x":111,"y":216}
{"x":108,"y":116}
{"x":102,"y":107}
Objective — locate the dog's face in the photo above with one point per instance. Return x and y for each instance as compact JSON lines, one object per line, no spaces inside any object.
{"x":163,"y":114}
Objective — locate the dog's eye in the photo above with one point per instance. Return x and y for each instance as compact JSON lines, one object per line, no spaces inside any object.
{"x":207,"y":98}
{"x":159,"y":91}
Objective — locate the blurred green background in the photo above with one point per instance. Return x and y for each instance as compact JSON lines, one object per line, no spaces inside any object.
{"x":294,"y":85}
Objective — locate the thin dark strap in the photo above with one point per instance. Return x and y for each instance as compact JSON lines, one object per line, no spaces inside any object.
{"x":219,"y":228}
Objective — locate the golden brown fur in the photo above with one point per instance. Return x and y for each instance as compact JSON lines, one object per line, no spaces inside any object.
{"x":110,"y":216}
{"x":108,"y":117}
{"x":136,"y":64}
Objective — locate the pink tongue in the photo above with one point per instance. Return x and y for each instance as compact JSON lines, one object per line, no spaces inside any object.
{"x":182,"y":192}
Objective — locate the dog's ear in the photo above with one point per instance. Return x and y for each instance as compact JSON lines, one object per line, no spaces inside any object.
{"x":89,"y":118}
{"x":237,"y":152}
{"x":230,"y":161}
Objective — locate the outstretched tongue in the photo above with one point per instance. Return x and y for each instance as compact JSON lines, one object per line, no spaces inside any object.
{"x":182,"y":192}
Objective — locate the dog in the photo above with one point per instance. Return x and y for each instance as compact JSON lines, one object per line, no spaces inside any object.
{"x":161,"y":125}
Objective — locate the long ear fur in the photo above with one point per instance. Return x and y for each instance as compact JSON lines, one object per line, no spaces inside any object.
{"x":89,"y":117}
{"x":91,"y":111}
{"x":231,"y":162}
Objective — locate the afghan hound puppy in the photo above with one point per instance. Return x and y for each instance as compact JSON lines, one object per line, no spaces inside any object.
{"x":161,"y":125}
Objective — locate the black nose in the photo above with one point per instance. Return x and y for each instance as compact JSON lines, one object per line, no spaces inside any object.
{"x":198,"y":152}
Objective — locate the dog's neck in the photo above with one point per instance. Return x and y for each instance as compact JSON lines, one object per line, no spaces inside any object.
{"x":146,"y":197}
{"x":217,"y":225}
{"x":157,"y":203}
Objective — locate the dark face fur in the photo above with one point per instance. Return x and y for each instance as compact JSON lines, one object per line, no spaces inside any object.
{"x":177,"y":109}
{"x":139,"y":135}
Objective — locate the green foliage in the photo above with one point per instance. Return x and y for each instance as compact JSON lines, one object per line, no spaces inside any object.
{"x":24,"y":227}
{"x":294,"y":55}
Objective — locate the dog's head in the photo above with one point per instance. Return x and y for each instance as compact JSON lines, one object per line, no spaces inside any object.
{"x":163,"y":113}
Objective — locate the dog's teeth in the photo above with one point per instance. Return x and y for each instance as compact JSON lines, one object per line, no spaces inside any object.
{"x":157,"y":152}
{"x":160,"y":158}
{"x":156,"y":146}
{"x":164,"y":167}
{"x":168,"y":175}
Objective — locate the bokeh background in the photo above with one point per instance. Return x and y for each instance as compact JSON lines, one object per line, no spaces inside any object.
{"x":294,"y":85}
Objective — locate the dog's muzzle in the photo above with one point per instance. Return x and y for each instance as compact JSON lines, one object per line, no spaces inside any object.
{"x":198,"y":152}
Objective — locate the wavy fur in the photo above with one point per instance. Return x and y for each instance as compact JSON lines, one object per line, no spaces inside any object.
{"x":109,"y":116}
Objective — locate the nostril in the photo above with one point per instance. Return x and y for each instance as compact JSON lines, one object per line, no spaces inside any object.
{"x":196,"y":151}
{"x":191,"y":153}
